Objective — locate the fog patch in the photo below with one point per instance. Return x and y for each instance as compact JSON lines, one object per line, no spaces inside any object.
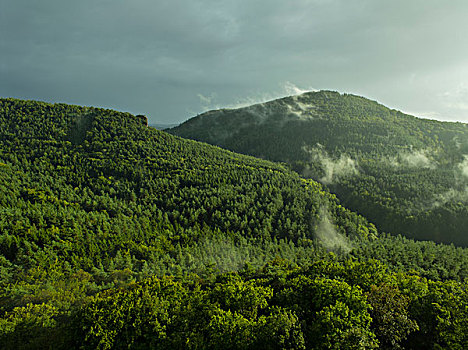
{"x":293,"y":89}
{"x":451,"y":196}
{"x":333,"y":168}
{"x":459,"y":193}
{"x":457,"y":142}
{"x":328,"y":235}
{"x":463,"y":167}
{"x":280,"y":112}
{"x":300,"y":110}
{"x":207,"y":101}
{"x":211,"y":101}
{"x":294,"y":111}
{"x":417,"y":159}
{"x":344,"y":166}
{"x":411,"y":159}
{"x":261,"y":112}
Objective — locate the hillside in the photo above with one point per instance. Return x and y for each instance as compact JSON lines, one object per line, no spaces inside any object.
{"x":102,"y":178}
{"x":116,"y":235}
{"x":407,"y":175}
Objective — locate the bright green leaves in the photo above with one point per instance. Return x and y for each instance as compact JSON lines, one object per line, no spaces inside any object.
{"x":279,"y":329}
{"x":163,"y":314}
{"x":334,"y":313}
{"x":243,"y":297}
{"x":442,"y":315}
{"x":277,"y":307}
{"x":131,"y":318}
{"x":338,"y":327}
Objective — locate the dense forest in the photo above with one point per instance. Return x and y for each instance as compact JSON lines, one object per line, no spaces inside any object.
{"x":407,"y":175}
{"x":116,"y":235}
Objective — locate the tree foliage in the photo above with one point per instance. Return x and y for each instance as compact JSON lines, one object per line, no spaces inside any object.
{"x":115,"y":235}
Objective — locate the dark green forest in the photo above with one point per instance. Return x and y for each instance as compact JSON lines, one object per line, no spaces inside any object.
{"x":407,"y":175}
{"x":116,"y":235}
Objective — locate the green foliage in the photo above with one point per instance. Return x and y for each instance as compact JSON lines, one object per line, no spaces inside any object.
{"x":426,"y":258}
{"x":97,"y":210}
{"x":134,"y":318}
{"x":442,"y":315}
{"x":337,"y":327}
{"x":280,"y":329}
{"x":290,"y":309}
{"x":335,"y":314}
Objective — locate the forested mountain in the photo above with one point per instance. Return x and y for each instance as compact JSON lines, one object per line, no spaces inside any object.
{"x":116,"y":235}
{"x":407,"y":175}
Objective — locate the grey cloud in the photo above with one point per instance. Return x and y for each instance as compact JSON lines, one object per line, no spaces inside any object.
{"x":157,"y":57}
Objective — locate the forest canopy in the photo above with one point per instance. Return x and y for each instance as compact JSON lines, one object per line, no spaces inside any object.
{"x":116,"y":235}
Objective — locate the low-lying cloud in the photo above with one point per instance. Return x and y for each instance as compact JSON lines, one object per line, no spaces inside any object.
{"x":463,"y":167}
{"x":300,"y":110}
{"x":422,"y":159}
{"x":451,"y":196}
{"x":459,"y":192}
{"x":416,"y":159}
{"x":333,"y":168}
{"x":328,"y":235}
{"x":212,"y":101}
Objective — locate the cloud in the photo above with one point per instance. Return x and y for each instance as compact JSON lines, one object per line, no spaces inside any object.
{"x":463,"y":167}
{"x":343,"y":166}
{"x":328,"y":235}
{"x":206,"y":101}
{"x":333,"y":168}
{"x":292,"y":89}
{"x":212,"y":101}
{"x":456,"y":98}
{"x":451,"y":196}
{"x":459,"y":192}
{"x":416,"y":159}
{"x":422,"y":158}
{"x":155,"y":57}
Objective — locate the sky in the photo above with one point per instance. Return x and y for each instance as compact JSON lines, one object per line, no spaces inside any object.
{"x":174,"y":59}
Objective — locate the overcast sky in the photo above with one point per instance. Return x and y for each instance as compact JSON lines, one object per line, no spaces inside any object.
{"x":174,"y":59}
